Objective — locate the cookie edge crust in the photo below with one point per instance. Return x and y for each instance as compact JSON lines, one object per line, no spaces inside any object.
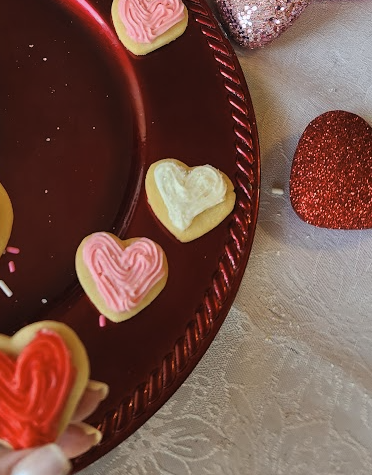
{"x":6,"y":213}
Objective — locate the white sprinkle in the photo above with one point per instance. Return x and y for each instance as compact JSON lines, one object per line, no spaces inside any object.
{"x":45,"y":191}
{"x":47,"y":139}
{"x":30,"y":46}
{"x":44,"y":301}
{"x":94,"y":128}
{"x":277,"y":191}
{"x":254,"y":8}
{"x":5,"y":289}
{"x":45,"y":59}
{"x":57,"y":128}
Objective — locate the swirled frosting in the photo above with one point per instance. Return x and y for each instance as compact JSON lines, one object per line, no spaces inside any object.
{"x":145,"y":20}
{"x":34,"y":389}
{"x":187,"y":193}
{"x":123,"y":276}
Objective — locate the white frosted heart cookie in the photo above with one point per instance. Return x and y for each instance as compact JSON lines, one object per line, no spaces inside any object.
{"x":189,"y":202}
{"x":145,"y":25}
{"x":6,"y":219}
{"x":120,"y":277}
{"x":44,"y":370}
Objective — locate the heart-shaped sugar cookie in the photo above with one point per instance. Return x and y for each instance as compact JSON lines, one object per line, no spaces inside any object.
{"x":6,"y":219}
{"x":145,"y":25}
{"x":120,"y":277}
{"x":44,"y":370}
{"x":331,"y":176}
{"x":189,"y":202}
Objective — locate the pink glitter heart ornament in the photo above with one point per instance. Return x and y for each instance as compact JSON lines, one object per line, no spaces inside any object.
{"x":255,"y":23}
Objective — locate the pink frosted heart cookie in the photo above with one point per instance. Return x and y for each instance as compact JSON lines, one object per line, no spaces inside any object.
{"x":6,"y":219}
{"x":189,"y":202}
{"x":145,"y":25}
{"x":120,"y":277}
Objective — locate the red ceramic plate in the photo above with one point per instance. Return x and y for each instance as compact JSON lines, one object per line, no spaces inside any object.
{"x":81,"y":121}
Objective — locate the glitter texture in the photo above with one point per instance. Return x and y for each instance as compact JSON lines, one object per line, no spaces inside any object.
{"x":331,"y":176}
{"x":254,"y":23}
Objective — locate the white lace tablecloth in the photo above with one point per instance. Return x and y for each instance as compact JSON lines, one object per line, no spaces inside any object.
{"x":286,"y":387}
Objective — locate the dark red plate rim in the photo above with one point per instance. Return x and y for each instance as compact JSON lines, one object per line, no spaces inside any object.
{"x":188,"y":100}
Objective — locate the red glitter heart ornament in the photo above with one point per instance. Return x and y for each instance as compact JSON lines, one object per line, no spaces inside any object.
{"x":331,"y":176}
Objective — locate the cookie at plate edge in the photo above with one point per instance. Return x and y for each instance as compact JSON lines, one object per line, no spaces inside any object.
{"x":142,"y":38}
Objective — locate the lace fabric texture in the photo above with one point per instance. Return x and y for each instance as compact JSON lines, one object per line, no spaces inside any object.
{"x":286,"y":387}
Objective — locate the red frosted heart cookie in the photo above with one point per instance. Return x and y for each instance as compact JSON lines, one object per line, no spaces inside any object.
{"x":331,"y":176}
{"x":120,"y":277}
{"x":44,"y":370}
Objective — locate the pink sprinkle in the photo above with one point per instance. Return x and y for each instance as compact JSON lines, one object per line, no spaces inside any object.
{"x":102,"y":321}
{"x":11,"y":266}
{"x":12,"y":250}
